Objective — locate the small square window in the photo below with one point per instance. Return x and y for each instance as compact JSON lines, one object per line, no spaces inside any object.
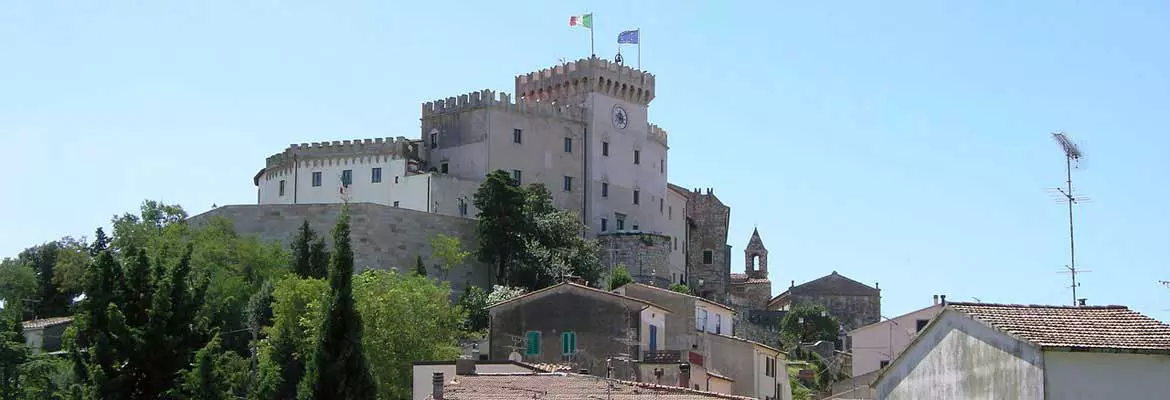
{"x":443,"y":168}
{"x":637,"y":157}
{"x":604,"y":189}
{"x":317,"y":178}
{"x":517,"y":136}
{"x":605,"y":149}
{"x":707,"y":255}
{"x":376,"y":175}
{"x":568,"y":145}
{"x":347,"y":177}
{"x":636,"y":197}
{"x":568,"y":184}
{"x":883,"y":363}
{"x":395,"y":203}
{"x":282,"y":187}
{"x":516,"y":176}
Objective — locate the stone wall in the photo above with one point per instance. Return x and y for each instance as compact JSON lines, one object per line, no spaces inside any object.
{"x":645,"y":255}
{"x":382,"y":237}
{"x":708,"y":232}
{"x":851,"y":311}
{"x":753,"y":293}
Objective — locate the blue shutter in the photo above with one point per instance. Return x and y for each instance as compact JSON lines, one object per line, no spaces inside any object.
{"x":653,"y":338}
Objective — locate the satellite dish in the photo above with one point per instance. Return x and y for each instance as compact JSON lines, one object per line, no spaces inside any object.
{"x":514,"y":356}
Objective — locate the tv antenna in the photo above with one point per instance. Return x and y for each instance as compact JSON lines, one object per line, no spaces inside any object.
{"x":1071,"y":153}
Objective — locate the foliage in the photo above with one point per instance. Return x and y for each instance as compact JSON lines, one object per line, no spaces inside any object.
{"x":500,"y":223}
{"x":448,"y":251}
{"x":339,"y":369}
{"x":297,"y":309}
{"x":419,"y":268}
{"x":310,"y":258}
{"x":45,"y":377}
{"x":217,"y":374}
{"x":50,"y":302}
{"x":799,"y":391}
{"x":808,"y":323}
{"x":407,"y":318}
{"x":17,"y":282}
{"x":12,"y":354}
{"x":475,"y":301}
{"x":681,"y":288}
{"x":72,"y":259}
{"x":619,"y":277}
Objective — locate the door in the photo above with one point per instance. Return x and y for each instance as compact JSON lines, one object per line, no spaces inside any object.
{"x":653,"y":338}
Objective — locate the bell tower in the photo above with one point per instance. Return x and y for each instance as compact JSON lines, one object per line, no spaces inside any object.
{"x":756,"y":257}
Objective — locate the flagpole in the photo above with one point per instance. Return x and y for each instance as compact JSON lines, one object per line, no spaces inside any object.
{"x":592,"y":52}
{"x":639,"y":49}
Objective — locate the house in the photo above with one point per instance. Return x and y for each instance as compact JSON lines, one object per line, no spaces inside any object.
{"x":700,"y":332}
{"x":875,"y":345}
{"x":1009,"y":351}
{"x":852,"y":303}
{"x":568,"y":323}
{"x":422,"y":372}
{"x":44,"y":335}
{"x":470,"y":382}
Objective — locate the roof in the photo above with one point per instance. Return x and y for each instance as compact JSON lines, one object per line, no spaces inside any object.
{"x":642,"y":285}
{"x":678,"y":189}
{"x":46,"y":322}
{"x":1088,"y":327}
{"x":719,"y":375}
{"x":737,"y":338}
{"x":570,"y":285}
{"x":256,"y":178}
{"x":834,"y":284}
{"x":887,"y":321}
{"x":738,"y":278}
{"x":564,"y":386}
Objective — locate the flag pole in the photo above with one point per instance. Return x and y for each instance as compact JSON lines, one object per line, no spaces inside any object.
{"x":592,"y":52}
{"x":639,"y":49}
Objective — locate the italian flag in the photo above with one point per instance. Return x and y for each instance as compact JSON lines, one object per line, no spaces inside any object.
{"x":584,"y":21}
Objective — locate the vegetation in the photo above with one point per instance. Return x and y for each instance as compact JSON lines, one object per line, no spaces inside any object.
{"x":619,"y":277}
{"x":681,"y":288}
{"x":810,"y":324}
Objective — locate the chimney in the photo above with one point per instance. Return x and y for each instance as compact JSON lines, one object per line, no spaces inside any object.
{"x":475,"y":351}
{"x":1081,"y":302}
{"x":684,"y":375}
{"x":943,"y":299}
{"x":465,"y":366}
{"x":936,"y":299}
{"x":437,"y":380}
{"x":792,"y":284}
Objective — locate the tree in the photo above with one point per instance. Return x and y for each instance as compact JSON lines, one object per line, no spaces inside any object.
{"x":340,"y":368}
{"x":298,"y":306}
{"x":13,"y":354}
{"x":72,"y":259}
{"x":18,"y":282}
{"x":619,"y":277}
{"x":500,"y":223}
{"x":475,"y":301}
{"x":681,"y":288}
{"x":419,"y":268}
{"x":808,"y":323}
{"x":51,"y":302}
{"x":310,"y":259}
{"x":448,"y":251}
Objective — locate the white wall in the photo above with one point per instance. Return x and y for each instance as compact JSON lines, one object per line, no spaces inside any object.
{"x":620,"y":172}
{"x":361,"y":190}
{"x":657,"y":317}
{"x":676,"y":228}
{"x":885,"y":340}
{"x":716,"y":316}
{"x":422,"y":384}
{"x":1106,"y":376}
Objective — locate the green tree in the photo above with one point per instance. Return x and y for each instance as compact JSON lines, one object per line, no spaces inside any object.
{"x":13,"y":354}
{"x":72,"y":259}
{"x":18,"y":282}
{"x":297,"y":309}
{"x":419,"y":268}
{"x":51,"y":301}
{"x":808,"y":323}
{"x":310,"y":259}
{"x":619,"y":277}
{"x":681,"y":288}
{"x":217,"y":374}
{"x":45,"y":377}
{"x":500,"y":223}
{"x":448,"y":251}
{"x":340,"y":368}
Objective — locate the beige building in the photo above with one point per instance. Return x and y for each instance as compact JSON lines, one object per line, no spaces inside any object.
{"x":873,"y":346}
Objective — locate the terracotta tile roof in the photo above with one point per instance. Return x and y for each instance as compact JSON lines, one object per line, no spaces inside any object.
{"x":697,"y":298}
{"x":551,"y":367}
{"x":46,"y":322}
{"x":1102,"y":327}
{"x":571,"y":286}
{"x":562,"y":386}
{"x":735,"y":276}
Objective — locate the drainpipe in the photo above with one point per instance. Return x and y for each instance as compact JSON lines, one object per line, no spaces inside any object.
{"x":296,"y":169}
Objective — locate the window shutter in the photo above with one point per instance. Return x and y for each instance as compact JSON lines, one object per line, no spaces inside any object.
{"x":533,"y":343}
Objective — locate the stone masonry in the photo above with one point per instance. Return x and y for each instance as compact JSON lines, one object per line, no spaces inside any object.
{"x":707,"y":257}
{"x":645,"y":255}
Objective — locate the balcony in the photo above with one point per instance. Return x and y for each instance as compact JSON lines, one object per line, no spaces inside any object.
{"x":662,"y":357}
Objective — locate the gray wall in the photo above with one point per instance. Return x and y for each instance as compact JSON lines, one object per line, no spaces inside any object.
{"x":382,"y":237}
{"x":851,"y":311}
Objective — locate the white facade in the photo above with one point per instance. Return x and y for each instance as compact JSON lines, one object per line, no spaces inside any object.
{"x":712,"y":319}
{"x":656,"y":317}
{"x":319,"y":181}
{"x":633,"y":169}
{"x":676,"y":228}
{"x":771,"y":374}
{"x":874,"y":344}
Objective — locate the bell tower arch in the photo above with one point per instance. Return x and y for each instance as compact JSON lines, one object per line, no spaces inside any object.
{"x":756,"y":257}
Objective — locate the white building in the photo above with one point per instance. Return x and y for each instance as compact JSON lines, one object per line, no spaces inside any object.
{"x":995,"y":351}
{"x":875,"y":345}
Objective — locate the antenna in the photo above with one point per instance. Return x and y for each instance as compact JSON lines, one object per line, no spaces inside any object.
{"x":1071,"y":153}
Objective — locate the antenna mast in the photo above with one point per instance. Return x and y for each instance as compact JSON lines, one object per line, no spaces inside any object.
{"x":1071,"y":153}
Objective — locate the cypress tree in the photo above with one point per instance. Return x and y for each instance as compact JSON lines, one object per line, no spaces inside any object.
{"x":318,"y":260}
{"x":419,"y":268}
{"x":341,"y":370}
{"x":301,"y":251}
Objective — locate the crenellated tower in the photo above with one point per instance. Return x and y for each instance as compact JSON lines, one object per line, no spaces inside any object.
{"x":572,"y":81}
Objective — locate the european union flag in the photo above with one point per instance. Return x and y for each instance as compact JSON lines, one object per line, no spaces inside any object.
{"x":628,"y":37}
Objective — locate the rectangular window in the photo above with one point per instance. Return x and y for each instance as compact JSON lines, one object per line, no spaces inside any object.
{"x":317,"y":178}
{"x":517,"y":136}
{"x":718,"y":323}
{"x":637,"y":157}
{"x":434,"y":140}
{"x":347,"y":177}
{"x":670,"y":213}
{"x":376,"y":175}
{"x":282,"y":187}
{"x":707,"y":257}
{"x":395,"y":203}
{"x":883,"y":363}
{"x":661,"y":205}
{"x":532,"y":347}
{"x":605,"y":149}
{"x":636,"y":197}
{"x":701,"y":321}
{"x":568,"y":184}
{"x":568,"y":145}
{"x":676,"y":242}
{"x":661,"y":166}
{"x":603,"y":224}
{"x":653,"y":338}
{"x":568,"y":343}
{"x":516,"y":176}
{"x":921,"y":324}
{"x":443,"y":168}
{"x":621,"y":221}
{"x":604,"y":189}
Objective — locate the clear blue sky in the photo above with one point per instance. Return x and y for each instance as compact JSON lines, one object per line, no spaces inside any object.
{"x":905,"y":143}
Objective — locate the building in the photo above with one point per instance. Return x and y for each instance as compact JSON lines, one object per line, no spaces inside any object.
{"x":873,"y":346}
{"x":752,"y":289}
{"x":1009,"y":351}
{"x":469,"y":383}
{"x":422,"y":372}
{"x":853,"y":303}
{"x":578,"y":325}
{"x":44,"y":335}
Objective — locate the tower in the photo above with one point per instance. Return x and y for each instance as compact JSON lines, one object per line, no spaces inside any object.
{"x":756,"y":257}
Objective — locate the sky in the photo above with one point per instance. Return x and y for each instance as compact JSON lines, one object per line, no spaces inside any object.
{"x":902,"y":144}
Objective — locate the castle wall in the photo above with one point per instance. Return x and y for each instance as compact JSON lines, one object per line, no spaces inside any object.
{"x":645,"y":255}
{"x":382,"y":237}
{"x":618,"y":170}
{"x":298,"y":178}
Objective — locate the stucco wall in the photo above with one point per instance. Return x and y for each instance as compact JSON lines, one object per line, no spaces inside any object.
{"x":382,"y":237}
{"x":362,"y":188}
{"x":960,"y":358}
{"x":872,"y":343}
{"x":676,"y":228}
{"x":1075,"y":376}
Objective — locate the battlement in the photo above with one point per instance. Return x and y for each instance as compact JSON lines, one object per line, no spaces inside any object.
{"x":656,"y":134}
{"x":399,"y":147}
{"x":490,"y":99}
{"x":592,"y":74}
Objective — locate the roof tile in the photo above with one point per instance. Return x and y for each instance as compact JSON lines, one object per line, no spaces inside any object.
{"x":558,"y":386}
{"x":1102,"y":327}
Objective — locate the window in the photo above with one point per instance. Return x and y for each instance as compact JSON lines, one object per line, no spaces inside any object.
{"x":636,"y":193}
{"x":637,"y":157}
{"x":883,"y":363}
{"x":444,"y":168}
{"x":921,"y":324}
{"x":376,"y":175}
{"x":568,"y":145}
{"x":603,"y":224}
{"x":718,"y":323}
{"x":634,"y":226}
{"x":604,"y":189}
{"x":434,"y":140}
{"x":670,"y":213}
{"x":347,"y":177}
{"x":568,"y":184}
{"x":701,"y":320}
{"x":396,"y":179}
{"x":532,"y":347}
{"x":661,"y":205}
{"x":707,"y":257}
{"x":661,"y":166}
{"x":517,"y":136}
{"x":516,"y":176}
{"x":676,"y":243}
{"x":621,"y":221}
{"x":605,"y":149}
{"x":769,"y":366}
{"x":317,"y":178}
{"x":653,"y":338}
{"x":282,"y":187}
{"x":568,"y":343}
{"x":395,"y":203}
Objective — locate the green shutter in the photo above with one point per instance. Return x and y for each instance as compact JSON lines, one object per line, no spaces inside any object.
{"x":574,"y":346}
{"x":533,"y":344}
{"x":568,"y":343}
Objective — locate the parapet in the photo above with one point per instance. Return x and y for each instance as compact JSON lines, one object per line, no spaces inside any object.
{"x":490,"y":99}
{"x":656,"y":134}
{"x":586,"y":75}
{"x":398,"y":147}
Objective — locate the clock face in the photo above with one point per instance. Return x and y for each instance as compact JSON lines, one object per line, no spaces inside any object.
{"x":620,"y":119}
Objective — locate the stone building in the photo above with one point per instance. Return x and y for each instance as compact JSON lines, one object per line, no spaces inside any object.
{"x":707,"y":253}
{"x":853,"y":303}
{"x":752,"y":289}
